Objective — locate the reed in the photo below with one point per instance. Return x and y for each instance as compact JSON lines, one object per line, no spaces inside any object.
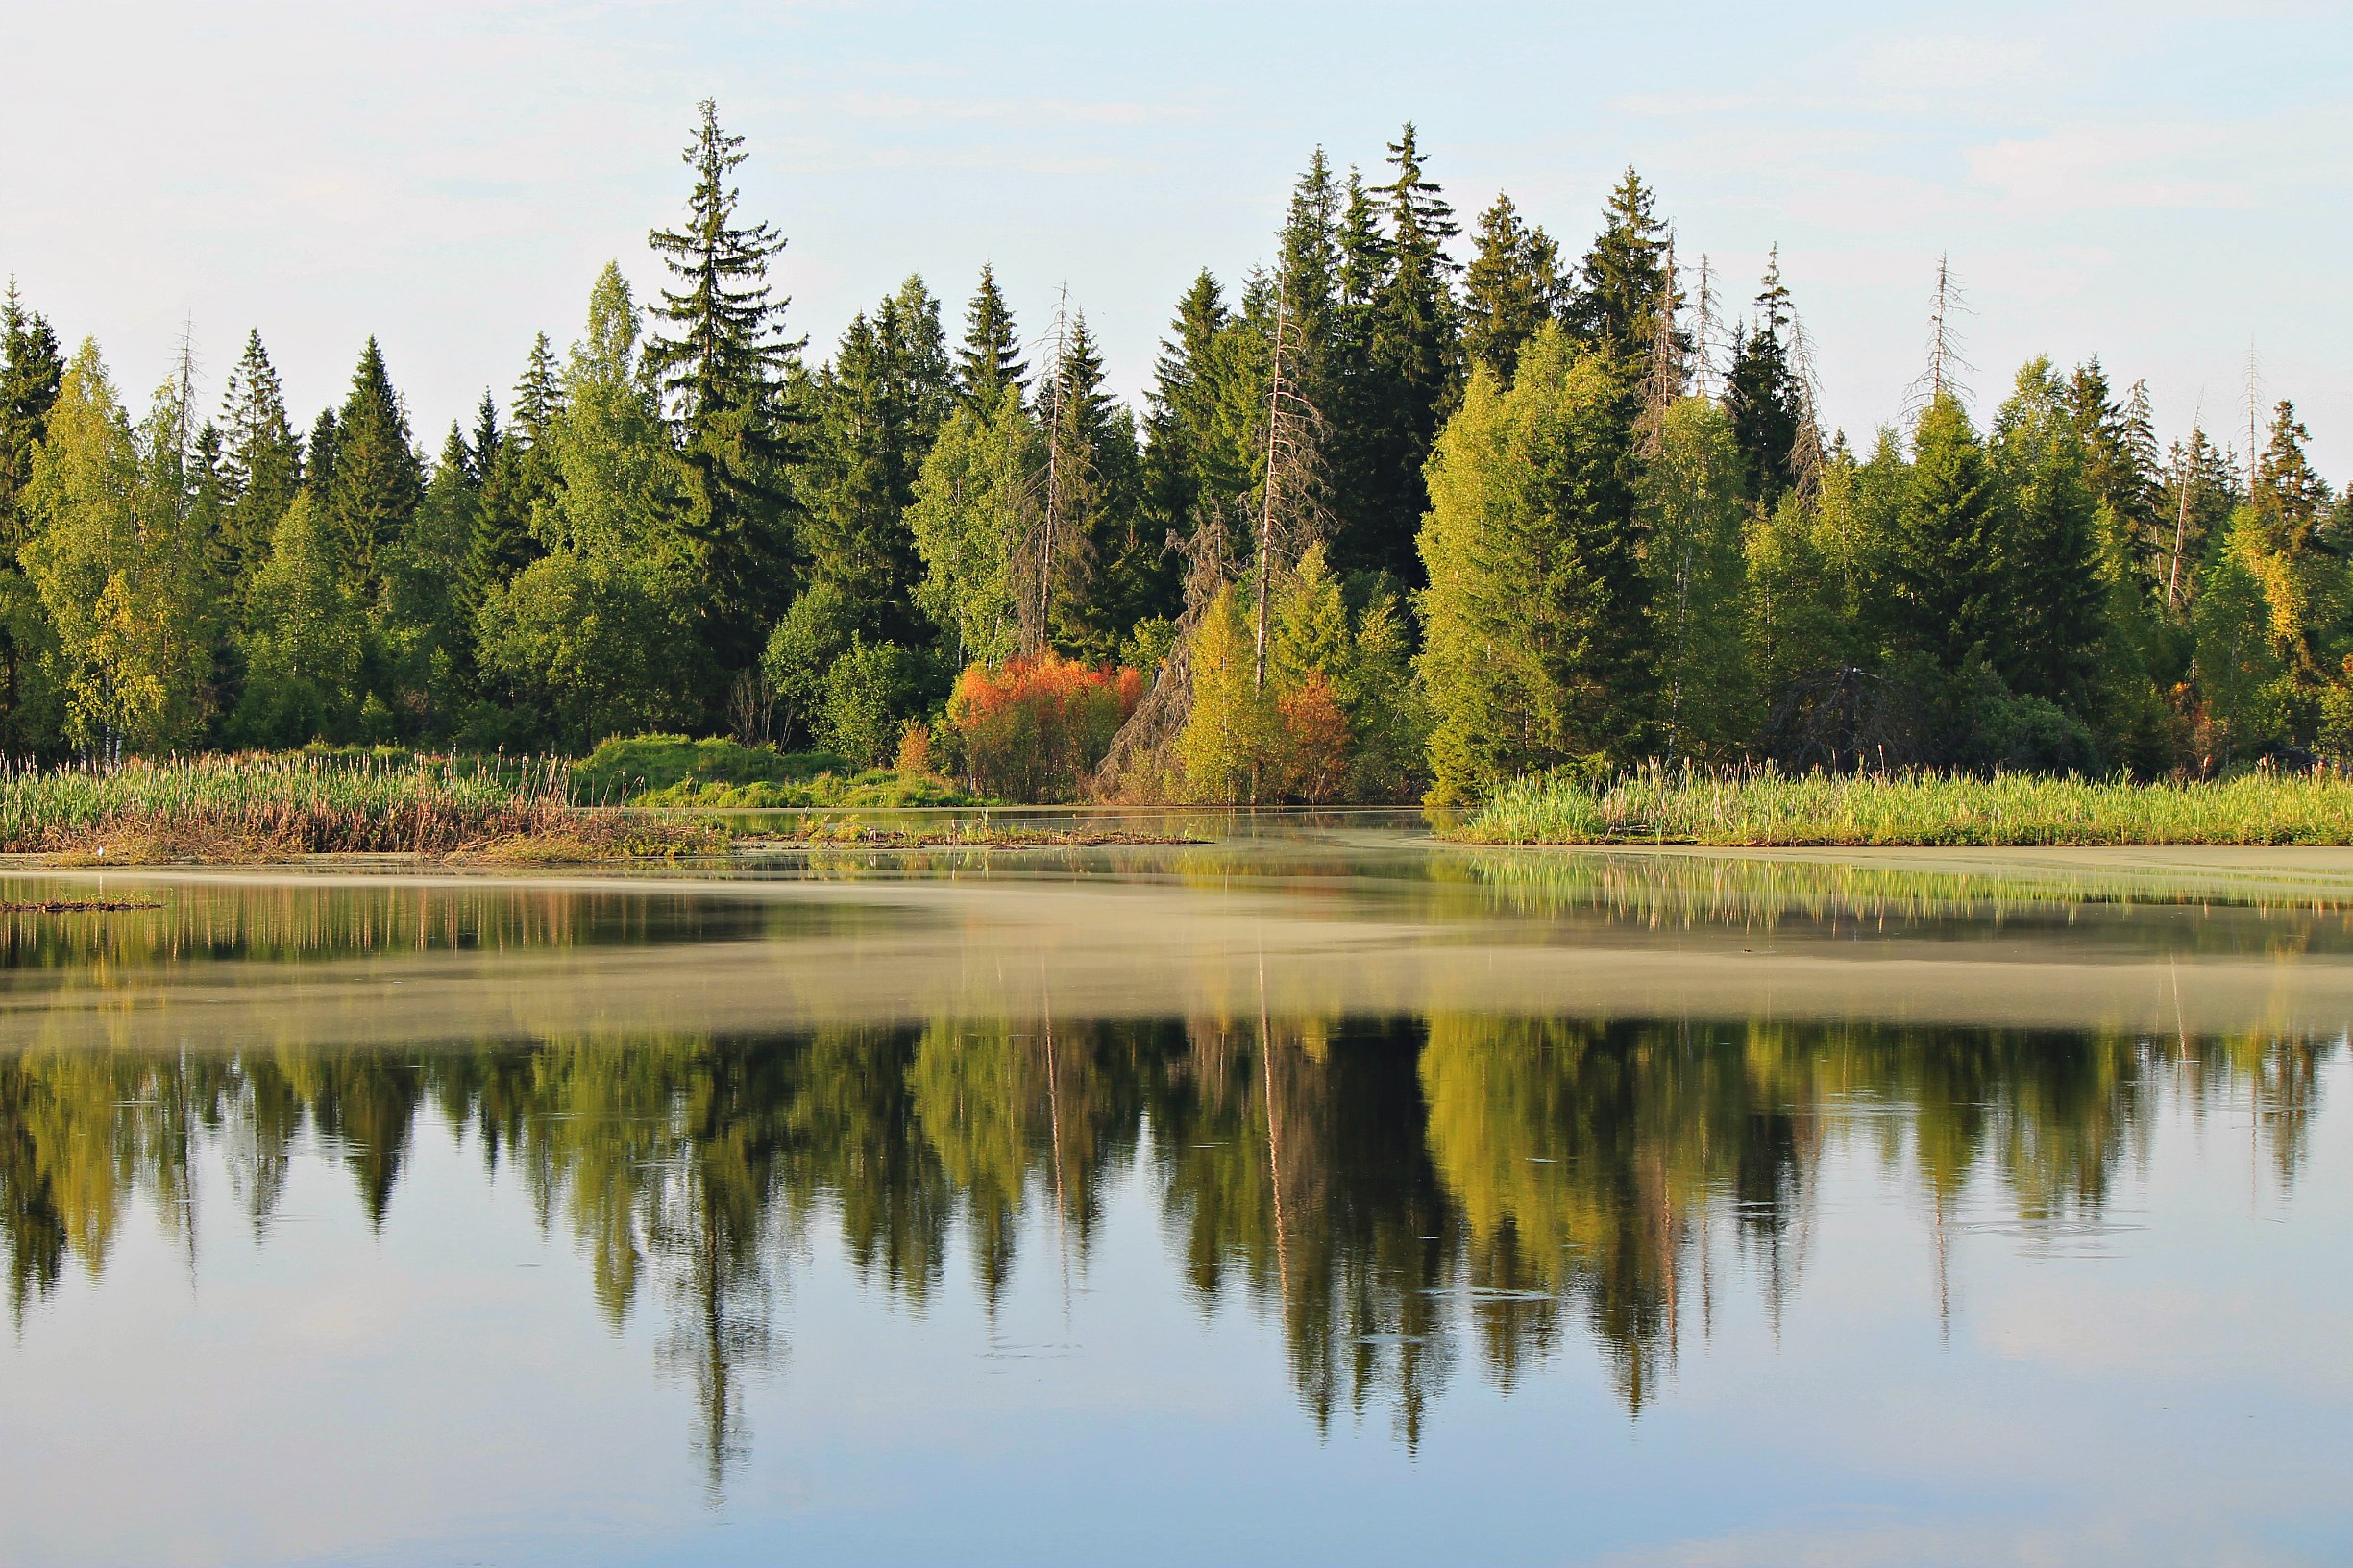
{"x":1754,"y":808}
{"x":258,"y":806}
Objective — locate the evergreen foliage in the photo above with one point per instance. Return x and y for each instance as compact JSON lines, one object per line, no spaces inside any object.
{"x":678,"y":522}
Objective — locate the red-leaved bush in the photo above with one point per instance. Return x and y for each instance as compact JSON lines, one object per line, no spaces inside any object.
{"x":1030,"y":730}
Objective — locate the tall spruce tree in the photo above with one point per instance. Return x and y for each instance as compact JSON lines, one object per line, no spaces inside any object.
{"x":2047,"y":643}
{"x":261,"y":460}
{"x":1512,"y":288}
{"x":377,"y":477}
{"x":1762,"y":396}
{"x":1415,"y":370}
{"x":1947,"y":586}
{"x":1624,"y":279}
{"x":989,"y":359}
{"x":1193,"y":471}
{"x":31,"y":370}
{"x":724,"y":363}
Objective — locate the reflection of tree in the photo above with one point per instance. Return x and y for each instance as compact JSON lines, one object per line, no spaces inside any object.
{"x":1375,"y":1189}
{"x":1299,"y":1160}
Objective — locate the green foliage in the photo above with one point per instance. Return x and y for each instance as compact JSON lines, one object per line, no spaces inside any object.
{"x":372,"y":489}
{"x":974,"y":503}
{"x":301,"y":638}
{"x":1690,"y":806}
{"x":1695,"y":572}
{"x":815,"y":632}
{"x":1513,"y":286}
{"x":1537,"y":641}
{"x":869,"y":693}
{"x":32,"y":373}
{"x":1762,"y":396}
{"x":637,"y":765}
{"x":592,"y":645}
{"x":119,"y":565}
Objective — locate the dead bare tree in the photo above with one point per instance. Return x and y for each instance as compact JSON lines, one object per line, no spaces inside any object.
{"x":1808,"y":454}
{"x":1667,"y":372}
{"x":1945,"y":362}
{"x":1052,"y":540}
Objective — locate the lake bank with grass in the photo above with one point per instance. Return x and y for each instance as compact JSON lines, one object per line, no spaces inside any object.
{"x":1916,"y":811}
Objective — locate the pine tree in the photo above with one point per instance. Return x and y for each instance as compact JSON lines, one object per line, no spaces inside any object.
{"x":1625,"y":281}
{"x":1513,"y":286}
{"x":724,"y":364}
{"x":31,"y":370}
{"x":1763,"y":397}
{"x":261,"y":460}
{"x":377,"y":477}
{"x":991,"y":358}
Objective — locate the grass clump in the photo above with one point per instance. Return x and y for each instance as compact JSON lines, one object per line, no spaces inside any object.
{"x":878,"y":788}
{"x":1757,"y":809}
{"x":651,"y":769}
{"x":252,"y":807}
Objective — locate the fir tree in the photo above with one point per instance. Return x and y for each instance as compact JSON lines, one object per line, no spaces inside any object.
{"x":1763,"y":398}
{"x":1625,"y":284}
{"x":1415,"y":365}
{"x":724,"y":363}
{"x":1192,"y":473}
{"x":262,"y":459}
{"x":1512,"y":288}
{"x":1946,"y":577}
{"x":991,"y":358}
{"x":376,"y":478}
{"x":31,"y":370}
{"x":2048,"y":641}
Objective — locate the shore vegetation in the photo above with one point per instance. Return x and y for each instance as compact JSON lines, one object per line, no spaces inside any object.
{"x":1761,"y":808}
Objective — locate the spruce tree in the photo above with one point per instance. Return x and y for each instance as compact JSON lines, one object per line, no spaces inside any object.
{"x":1762,"y":396}
{"x":2047,"y":640}
{"x":1121,"y":574}
{"x":1946,"y":577}
{"x":1624,"y":281}
{"x":1415,"y":370}
{"x":1512,"y":288}
{"x":261,"y":460}
{"x":377,"y":477}
{"x":1355,"y":406}
{"x":1191,"y":473}
{"x":319,"y":456}
{"x":723,"y":363}
{"x":864,"y":455}
{"x":1539,"y":640}
{"x":31,"y":370}
{"x":991,"y":358}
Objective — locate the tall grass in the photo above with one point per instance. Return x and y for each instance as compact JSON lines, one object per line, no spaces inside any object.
{"x":252,"y":805}
{"x":1658,"y":805}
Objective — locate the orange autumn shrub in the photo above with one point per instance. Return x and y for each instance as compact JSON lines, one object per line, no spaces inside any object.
{"x":1313,"y":739}
{"x":1029,"y":730}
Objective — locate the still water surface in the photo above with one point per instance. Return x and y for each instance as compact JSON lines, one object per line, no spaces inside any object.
{"x":1313,"y":1194}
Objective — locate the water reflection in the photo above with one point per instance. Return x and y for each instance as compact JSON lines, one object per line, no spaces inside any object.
{"x":1405,"y":1197}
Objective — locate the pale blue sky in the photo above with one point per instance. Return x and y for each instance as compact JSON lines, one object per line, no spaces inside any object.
{"x":2158,"y":182}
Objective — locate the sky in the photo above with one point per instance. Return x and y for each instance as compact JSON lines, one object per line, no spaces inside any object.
{"x":2163,"y":185}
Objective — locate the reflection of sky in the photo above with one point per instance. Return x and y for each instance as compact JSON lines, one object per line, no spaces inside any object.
{"x":2173,"y":1389}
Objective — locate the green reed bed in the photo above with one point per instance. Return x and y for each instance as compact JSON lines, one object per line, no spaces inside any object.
{"x":264,"y":806}
{"x":1655,"y":805}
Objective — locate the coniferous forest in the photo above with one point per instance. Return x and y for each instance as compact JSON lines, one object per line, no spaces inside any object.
{"x":1416,"y":507}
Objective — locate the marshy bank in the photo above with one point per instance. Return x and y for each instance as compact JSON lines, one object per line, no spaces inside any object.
{"x":1747,"y":809}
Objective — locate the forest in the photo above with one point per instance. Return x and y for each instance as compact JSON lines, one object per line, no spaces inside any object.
{"x":1407,"y":513}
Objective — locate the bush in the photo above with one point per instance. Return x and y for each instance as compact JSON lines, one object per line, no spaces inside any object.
{"x":1032,"y":730}
{"x":871,"y":692}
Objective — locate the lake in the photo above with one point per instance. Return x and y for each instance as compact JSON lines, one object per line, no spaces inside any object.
{"x":1314,"y":1193}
